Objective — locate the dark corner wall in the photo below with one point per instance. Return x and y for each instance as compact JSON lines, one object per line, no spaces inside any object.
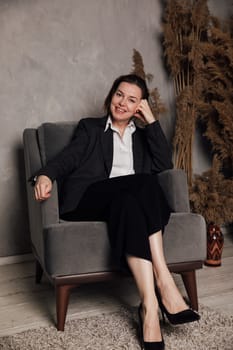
{"x":57,"y":62}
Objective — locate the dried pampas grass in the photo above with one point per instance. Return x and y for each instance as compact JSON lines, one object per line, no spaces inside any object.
{"x":185,"y":28}
{"x":199,"y":53}
{"x":156,"y":104}
{"x":212,"y":195}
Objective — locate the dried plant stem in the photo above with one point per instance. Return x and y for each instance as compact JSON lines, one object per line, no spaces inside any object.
{"x":183,"y":151}
{"x":156,"y":104}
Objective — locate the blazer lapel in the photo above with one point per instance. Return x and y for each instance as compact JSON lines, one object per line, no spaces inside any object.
{"x":107,"y":148}
{"x":137,"y":152}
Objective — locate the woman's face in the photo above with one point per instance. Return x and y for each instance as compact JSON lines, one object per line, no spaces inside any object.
{"x":125,"y":102}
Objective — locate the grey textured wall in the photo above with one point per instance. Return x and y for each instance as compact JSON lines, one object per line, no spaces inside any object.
{"x":57,"y":61}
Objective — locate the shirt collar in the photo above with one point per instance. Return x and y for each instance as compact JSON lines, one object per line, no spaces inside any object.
{"x":108,"y":125}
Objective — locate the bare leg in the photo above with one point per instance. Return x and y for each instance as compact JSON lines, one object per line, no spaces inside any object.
{"x":170,"y":294}
{"x":142,"y":271}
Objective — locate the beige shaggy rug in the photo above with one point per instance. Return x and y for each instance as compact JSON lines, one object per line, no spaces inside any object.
{"x":119,"y":331}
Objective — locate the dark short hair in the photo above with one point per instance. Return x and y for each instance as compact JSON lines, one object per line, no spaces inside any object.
{"x":130,"y":78}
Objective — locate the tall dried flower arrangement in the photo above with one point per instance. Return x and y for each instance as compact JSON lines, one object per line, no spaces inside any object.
{"x":215,"y":110}
{"x":199,"y":53}
{"x":185,"y":28}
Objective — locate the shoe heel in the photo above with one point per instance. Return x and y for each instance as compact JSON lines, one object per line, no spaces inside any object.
{"x":147,"y":345}
{"x":185,"y":316}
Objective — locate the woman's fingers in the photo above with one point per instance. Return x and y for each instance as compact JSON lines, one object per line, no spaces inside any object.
{"x":43,"y":188}
{"x":42,"y":192}
{"x":144,"y":110}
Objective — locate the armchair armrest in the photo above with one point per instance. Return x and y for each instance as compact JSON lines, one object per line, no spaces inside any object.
{"x":49,"y":208}
{"x":45,"y":213}
{"x":174,"y":185}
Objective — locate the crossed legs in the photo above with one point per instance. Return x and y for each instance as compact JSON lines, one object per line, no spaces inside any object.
{"x":145,"y":274}
{"x":128,"y":204}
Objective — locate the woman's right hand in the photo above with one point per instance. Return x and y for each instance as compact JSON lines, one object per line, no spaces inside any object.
{"x":43,"y":188}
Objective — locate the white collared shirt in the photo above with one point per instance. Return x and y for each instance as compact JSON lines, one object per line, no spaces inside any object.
{"x":122,"y":150}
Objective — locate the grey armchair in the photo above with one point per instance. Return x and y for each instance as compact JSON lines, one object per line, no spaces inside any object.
{"x":70,"y":253}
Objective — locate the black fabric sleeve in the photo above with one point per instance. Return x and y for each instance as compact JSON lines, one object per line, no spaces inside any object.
{"x":160,"y":151}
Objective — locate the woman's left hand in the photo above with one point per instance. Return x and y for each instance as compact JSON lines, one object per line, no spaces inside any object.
{"x":144,"y":112}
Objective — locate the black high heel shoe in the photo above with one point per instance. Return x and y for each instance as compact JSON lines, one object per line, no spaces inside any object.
{"x":158,"y":345}
{"x":181,"y":317}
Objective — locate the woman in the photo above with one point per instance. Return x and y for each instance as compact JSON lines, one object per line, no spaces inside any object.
{"x":108,"y":172}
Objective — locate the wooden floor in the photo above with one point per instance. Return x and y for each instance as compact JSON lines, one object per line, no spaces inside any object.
{"x":25,"y":305}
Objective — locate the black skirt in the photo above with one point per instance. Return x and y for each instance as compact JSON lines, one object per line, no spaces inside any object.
{"x":133,"y":206}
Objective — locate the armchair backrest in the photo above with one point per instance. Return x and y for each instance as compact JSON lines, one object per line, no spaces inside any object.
{"x":53,"y":137}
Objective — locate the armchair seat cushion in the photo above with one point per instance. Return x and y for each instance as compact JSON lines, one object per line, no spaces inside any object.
{"x":184,"y":240}
{"x":67,"y":245}
{"x":76,"y":248}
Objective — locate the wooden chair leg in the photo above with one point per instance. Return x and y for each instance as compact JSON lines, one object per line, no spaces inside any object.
{"x":39,"y":272}
{"x":189,"y":280}
{"x":62,"y":300}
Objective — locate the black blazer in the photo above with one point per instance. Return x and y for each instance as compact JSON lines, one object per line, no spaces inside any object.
{"x":88,"y":158}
